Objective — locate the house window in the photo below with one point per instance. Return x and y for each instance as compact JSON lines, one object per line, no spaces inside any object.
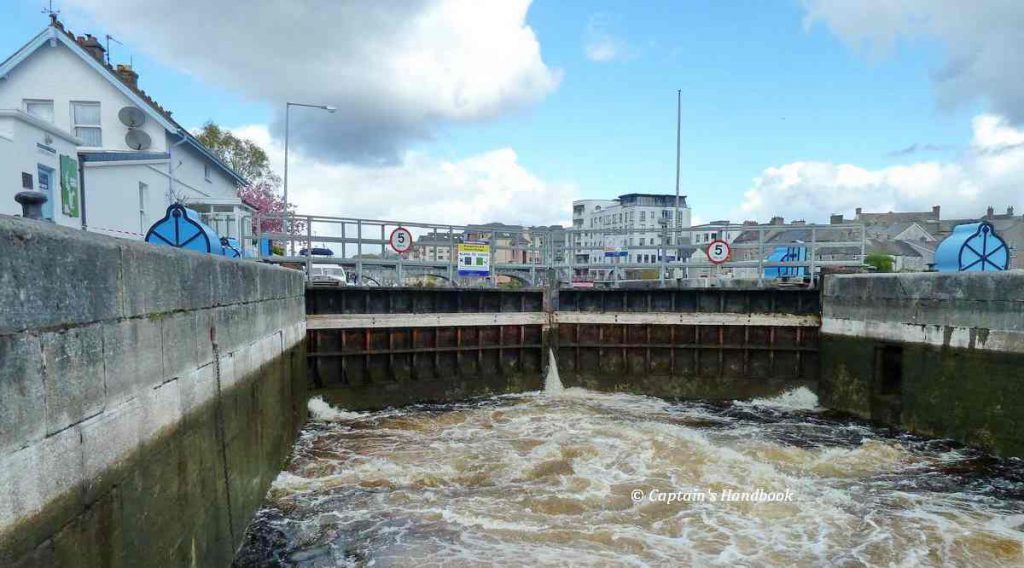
{"x":206,"y":172}
{"x":40,"y":109}
{"x":85,"y":116}
{"x":143,"y":198}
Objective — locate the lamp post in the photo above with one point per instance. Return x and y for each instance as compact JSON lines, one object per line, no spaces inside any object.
{"x":678,"y":221}
{"x":287,"y":116}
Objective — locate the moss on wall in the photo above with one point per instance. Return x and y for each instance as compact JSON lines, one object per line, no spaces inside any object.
{"x":185,"y":498}
{"x":973,"y":396}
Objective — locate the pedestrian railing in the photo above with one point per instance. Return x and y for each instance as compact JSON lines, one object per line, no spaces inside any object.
{"x":372,"y":252}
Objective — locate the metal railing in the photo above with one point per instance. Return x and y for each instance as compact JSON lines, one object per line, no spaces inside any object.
{"x":602,"y":256}
{"x":231,"y":225}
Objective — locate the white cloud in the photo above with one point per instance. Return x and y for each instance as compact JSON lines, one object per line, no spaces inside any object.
{"x":396,"y":70}
{"x":600,"y":44}
{"x":984,"y":42}
{"x":990,"y":173}
{"x":492,"y":186}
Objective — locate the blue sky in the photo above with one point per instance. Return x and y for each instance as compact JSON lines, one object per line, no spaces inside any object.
{"x":760,"y":90}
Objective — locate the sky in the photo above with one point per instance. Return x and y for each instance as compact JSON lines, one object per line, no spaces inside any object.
{"x":472,"y":110}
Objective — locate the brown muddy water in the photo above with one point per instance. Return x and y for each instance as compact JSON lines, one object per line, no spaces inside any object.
{"x":549,"y":479}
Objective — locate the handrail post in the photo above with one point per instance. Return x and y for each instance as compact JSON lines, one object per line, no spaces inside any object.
{"x":452,"y":258}
{"x":494,"y":272}
{"x":814,"y":251}
{"x":309,"y":249}
{"x":760,"y":255}
{"x":257,"y":230}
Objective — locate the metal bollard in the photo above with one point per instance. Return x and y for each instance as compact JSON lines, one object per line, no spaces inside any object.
{"x":31,"y":203}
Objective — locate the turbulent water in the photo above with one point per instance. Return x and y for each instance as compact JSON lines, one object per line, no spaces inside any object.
{"x":577,"y":477}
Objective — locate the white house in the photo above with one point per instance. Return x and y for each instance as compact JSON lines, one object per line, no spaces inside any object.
{"x":31,"y":152}
{"x":65,"y":113}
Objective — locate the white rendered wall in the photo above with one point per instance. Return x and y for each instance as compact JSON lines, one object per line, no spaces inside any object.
{"x":19,"y":152}
{"x":55,"y":73}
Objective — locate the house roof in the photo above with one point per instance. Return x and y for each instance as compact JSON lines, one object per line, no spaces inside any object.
{"x":894,"y":248}
{"x":55,"y":32}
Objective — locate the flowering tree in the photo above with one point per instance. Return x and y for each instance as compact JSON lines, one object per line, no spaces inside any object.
{"x":263,"y":196}
{"x":251,"y":161}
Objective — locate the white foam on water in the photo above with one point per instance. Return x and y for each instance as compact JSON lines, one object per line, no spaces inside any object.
{"x":319,"y":409}
{"x":801,"y":398}
{"x":552,"y":382}
{"x":543,"y":480}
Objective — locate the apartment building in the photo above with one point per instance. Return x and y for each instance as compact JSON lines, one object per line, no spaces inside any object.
{"x":635,"y":228}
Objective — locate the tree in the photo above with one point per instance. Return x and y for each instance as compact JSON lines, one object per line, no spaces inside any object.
{"x":881,"y":261}
{"x":263,"y":196}
{"x":248,"y":159}
{"x":244,"y":156}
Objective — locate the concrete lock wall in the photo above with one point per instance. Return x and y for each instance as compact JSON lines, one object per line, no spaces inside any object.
{"x":936,"y":353}
{"x":148,"y":397}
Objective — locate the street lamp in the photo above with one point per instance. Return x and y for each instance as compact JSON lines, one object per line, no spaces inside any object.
{"x":287,"y":116}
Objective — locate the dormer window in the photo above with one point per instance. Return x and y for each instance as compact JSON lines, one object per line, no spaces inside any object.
{"x":41,"y":109}
{"x":85,"y":117}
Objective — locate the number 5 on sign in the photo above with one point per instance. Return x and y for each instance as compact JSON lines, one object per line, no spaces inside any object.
{"x":718,"y":251}
{"x":401,"y":240}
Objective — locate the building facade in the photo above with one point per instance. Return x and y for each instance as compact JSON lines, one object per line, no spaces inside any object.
{"x":635,"y":228}
{"x":131,"y":159}
{"x":32,"y":153}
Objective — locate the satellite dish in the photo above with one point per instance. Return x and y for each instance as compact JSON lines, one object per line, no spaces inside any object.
{"x":132,"y":117}
{"x":137,"y":139}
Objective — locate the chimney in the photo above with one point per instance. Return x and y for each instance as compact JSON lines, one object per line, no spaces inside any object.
{"x":835,"y":219}
{"x":128,"y":75}
{"x":990,"y":212}
{"x":776,"y":220}
{"x":935,"y":211}
{"x":798,"y":222}
{"x":92,"y":46}
{"x":1009,"y":211}
{"x":857,"y":212}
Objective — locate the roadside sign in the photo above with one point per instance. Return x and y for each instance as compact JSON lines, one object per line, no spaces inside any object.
{"x":474,"y":259}
{"x":718,"y":251}
{"x":401,"y":240}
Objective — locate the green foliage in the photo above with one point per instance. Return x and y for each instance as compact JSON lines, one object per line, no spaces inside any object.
{"x":244,"y":156}
{"x":882,"y":262}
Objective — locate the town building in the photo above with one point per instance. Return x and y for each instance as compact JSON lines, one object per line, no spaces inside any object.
{"x":635,"y":228}
{"x":439,"y":246}
{"x":107,"y":156}
{"x":910,"y":237}
{"x":509,"y":243}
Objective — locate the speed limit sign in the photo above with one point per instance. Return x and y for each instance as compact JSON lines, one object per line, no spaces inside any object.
{"x":718,"y":251}
{"x":401,"y":240}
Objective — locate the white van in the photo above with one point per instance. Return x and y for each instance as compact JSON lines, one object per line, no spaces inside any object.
{"x":333,"y":275}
